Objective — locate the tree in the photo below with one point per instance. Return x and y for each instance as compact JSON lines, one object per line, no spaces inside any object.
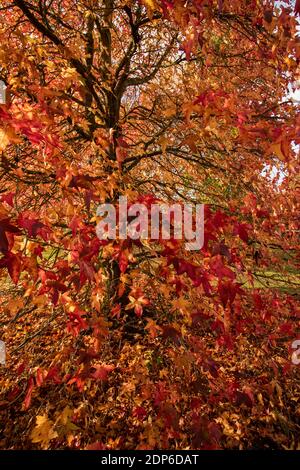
{"x":153,"y":100}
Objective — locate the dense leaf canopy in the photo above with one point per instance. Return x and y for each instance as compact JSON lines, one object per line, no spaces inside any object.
{"x":140,"y":343}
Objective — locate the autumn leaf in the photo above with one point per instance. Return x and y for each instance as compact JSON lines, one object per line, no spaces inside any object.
{"x":143,"y":343}
{"x":137,"y":301}
{"x":277,"y":148}
{"x":4,"y":140}
{"x":29,"y":390}
{"x":6,"y":228}
{"x":13,"y":264}
{"x":64,"y":424}
{"x":102,"y":371}
{"x":43,"y":432}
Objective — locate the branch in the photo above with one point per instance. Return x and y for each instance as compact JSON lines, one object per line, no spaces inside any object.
{"x":37,"y":333}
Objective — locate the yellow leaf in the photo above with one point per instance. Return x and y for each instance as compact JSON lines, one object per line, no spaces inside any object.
{"x":163,"y":141}
{"x":4,"y":140}
{"x":43,"y":432}
{"x":151,"y":5}
{"x":277,"y":149}
{"x":14,"y":305}
{"x":64,"y":423}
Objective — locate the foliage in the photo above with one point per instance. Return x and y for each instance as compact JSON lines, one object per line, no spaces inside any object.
{"x":142,"y":344}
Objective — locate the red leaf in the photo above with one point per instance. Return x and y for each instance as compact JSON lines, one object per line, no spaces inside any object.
{"x":140,"y":413}
{"x":38,"y":251}
{"x":116,"y":311}
{"x":215,"y":432}
{"x":123,"y":261}
{"x":228,"y":291}
{"x":212,"y":367}
{"x":39,"y":377}
{"x":8,"y":198}
{"x":160,"y":394}
{"x":297,"y":7}
{"x":102,"y":371}
{"x":170,"y":332}
{"x":96,"y":446}
{"x":138,"y":310}
{"x":122,"y":143}
{"x":170,"y":415}
{"x":14,"y":393}
{"x":33,"y":226}
{"x":86,"y":271}
{"x":27,"y":400}
{"x":219,"y":270}
{"x":79,"y":382}
{"x":241,"y":231}
{"x":242,"y":398}
{"x":3,"y":241}
{"x":5,"y":226}
{"x":13,"y":264}
{"x":121,"y":154}
{"x":226,"y":341}
{"x":53,"y":375}
{"x":21,"y":368}
{"x":75,"y":224}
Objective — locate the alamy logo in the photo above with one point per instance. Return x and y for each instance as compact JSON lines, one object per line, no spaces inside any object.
{"x":159,"y":221}
{"x":2,"y":353}
{"x":2,"y":92}
{"x":296,"y":354}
